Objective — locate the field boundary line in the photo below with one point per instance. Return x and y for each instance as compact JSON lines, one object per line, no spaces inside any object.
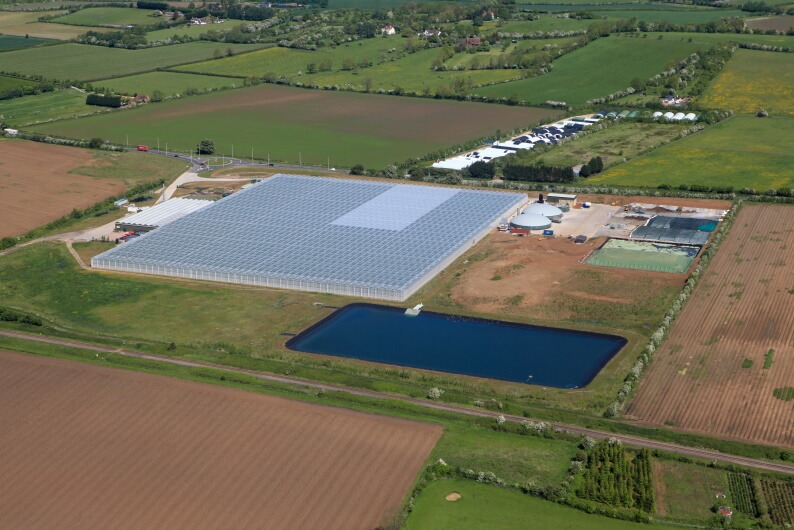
{"x":444,"y":407}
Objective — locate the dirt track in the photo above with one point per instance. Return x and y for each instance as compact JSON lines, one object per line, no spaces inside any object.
{"x":742,"y":308}
{"x":84,"y":446}
{"x":631,"y":440}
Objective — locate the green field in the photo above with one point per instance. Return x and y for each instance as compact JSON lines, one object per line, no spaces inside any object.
{"x":87,"y":63}
{"x":68,"y":103}
{"x":600,"y":68}
{"x":23,"y":23}
{"x":484,"y":506}
{"x":168,"y":83}
{"x":12,"y":42}
{"x":685,"y":492}
{"x":191,"y":30}
{"x":291,"y":123}
{"x":675,"y":16}
{"x":545,"y":24}
{"x":744,"y":152}
{"x":8,"y":83}
{"x":108,"y":16}
{"x":754,"y":80}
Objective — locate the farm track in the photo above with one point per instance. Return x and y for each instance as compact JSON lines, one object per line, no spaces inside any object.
{"x":742,"y":308}
{"x":445,"y":407}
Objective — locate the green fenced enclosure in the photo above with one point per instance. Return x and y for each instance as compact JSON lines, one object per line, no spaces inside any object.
{"x":644,"y":255}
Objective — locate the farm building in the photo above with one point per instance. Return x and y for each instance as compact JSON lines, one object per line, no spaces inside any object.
{"x":561,"y":198}
{"x":160,"y":214}
{"x":530,"y":221}
{"x":358,"y":238}
{"x":548,"y":211}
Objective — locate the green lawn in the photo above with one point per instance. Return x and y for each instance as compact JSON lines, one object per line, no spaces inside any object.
{"x":744,"y":152}
{"x":168,"y":83}
{"x":687,"y":492}
{"x":8,"y":83}
{"x":484,"y":506}
{"x":12,"y":42}
{"x":109,"y":16}
{"x":312,"y":125}
{"x":754,"y":80}
{"x":600,"y":68}
{"x":48,"y":106}
{"x":87,"y":63}
{"x":514,"y":458}
{"x":191,"y":31}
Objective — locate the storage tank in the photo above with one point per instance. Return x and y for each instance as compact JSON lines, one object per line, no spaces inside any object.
{"x":546,"y":210}
{"x":530,"y":221}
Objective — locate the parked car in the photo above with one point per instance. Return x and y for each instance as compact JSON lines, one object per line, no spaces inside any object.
{"x":143,"y":148}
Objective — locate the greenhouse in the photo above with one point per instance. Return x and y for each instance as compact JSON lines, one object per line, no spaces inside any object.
{"x":351,"y":237}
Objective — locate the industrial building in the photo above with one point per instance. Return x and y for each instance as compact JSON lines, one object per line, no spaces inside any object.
{"x":352,"y":237}
{"x":160,"y":215}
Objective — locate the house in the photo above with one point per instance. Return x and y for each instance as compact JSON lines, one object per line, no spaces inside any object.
{"x":388,"y":30}
{"x":488,"y":14}
{"x":473,"y":41}
{"x":11,"y":132}
{"x":725,"y":511}
{"x":431,"y":33}
{"x":199,"y":21}
{"x":140,"y":99}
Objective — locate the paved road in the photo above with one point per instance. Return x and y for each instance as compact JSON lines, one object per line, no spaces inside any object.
{"x":630,"y":440}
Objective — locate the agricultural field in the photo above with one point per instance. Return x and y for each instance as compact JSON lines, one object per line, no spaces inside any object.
{"x":48,"y":106}
{"x":87,"y":63}
{"x":42,"y":182}
{"x":675,"y":16}
{"x":485,"y":506}
{"x":26,"y":23}
{"x":169,"y":83}
{"x":742,"y":152}
{"x":292,"y":123}
{"x":777,"y":23}
{"x":583,"y":74}
{"x":108,"y":16}
{"x":779,"y":498}
{"x":530,"y":46}
{"x":754,"y":80}
{"x":190,"y":31}
{"x":545,"y":23}
{"x":697,"y":381}
{"x":177,"y":453}
{"x":686,"y":492}
{"x":12,"y":42}
{"x":615,"y":144}
{"x":10,"y":83}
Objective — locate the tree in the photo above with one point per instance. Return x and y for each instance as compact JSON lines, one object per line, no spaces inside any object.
{"x":95,"y":143}
{"x":206,"y":147}
{"x":482,"y":170}
{"x":585,"y":171}
{"x":638,"y":84}
{"x":358,"y":169}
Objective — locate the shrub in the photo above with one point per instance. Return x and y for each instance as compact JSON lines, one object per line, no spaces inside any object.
{"x":103,"y":100}
{"x":435,"y":393}
{"x":206,"y":147}
{"x":358,"y":169}
{"x":95,"y":143}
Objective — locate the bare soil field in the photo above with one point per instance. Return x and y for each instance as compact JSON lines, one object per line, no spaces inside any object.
{"x":778,"y":23}
{"x":85,"y":446}
{"x":733,"y":343}
{"x":36,"y":185}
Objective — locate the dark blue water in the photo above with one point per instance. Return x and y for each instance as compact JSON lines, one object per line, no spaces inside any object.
{"x":461,"y":345}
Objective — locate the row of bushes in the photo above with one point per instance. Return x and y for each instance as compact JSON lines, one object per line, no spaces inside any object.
{"x":631,"y":380}
{"x":104,"y":100}
{"x":8,"y":315}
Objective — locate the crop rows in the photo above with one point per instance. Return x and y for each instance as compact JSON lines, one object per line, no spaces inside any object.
{"x":742,"y":493}
{"x":780,"y":499}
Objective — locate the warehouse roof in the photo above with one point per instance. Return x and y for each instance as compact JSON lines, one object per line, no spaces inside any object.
{"x":164,"y":213}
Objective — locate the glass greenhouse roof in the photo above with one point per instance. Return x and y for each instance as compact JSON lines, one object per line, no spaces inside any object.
{"x":342,"y":236}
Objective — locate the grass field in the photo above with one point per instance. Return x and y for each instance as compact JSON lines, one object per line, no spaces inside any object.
{"x":347,"y":127}
{"x":108,"y":16}
{"x":27,"y":110}
{"x":9,"y":83}
{"x":600,"y":68}
{"x":12,"y":42}
{"x":685,"y":492}
{"x":754,"y":80}
{"x":484,"y":506}
{"x":619,"y":142}
{"x":26,"y":23}
{"x":545,"y":23}
{"x":191,"y":31}
{"x":168,"y":83}
{"x":743,"y":152}
{"x":674,"y":16}
{"x":176,"y":453}
{"x":86,"y":63}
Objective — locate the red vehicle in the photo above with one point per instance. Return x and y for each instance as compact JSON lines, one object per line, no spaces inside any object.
{"x":143,"y":148}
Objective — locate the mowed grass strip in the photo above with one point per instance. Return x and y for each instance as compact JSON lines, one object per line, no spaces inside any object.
{"x":109,"y":16}
{"x":754,"y":80}
{"x":743,"y":152}
{"x":485,"y":506}
{"x":88,"y":63}
{"x":60,"y":104}
{"x":604,"y":66}
{"x":291,"y":123}
{"x":169,"y":83}
{"x":9,"y":83}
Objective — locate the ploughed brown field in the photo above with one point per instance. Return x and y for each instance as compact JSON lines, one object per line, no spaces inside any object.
{"x":742,"y":309}
{"x":36,"y":186}
{"x":84,"y":446}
